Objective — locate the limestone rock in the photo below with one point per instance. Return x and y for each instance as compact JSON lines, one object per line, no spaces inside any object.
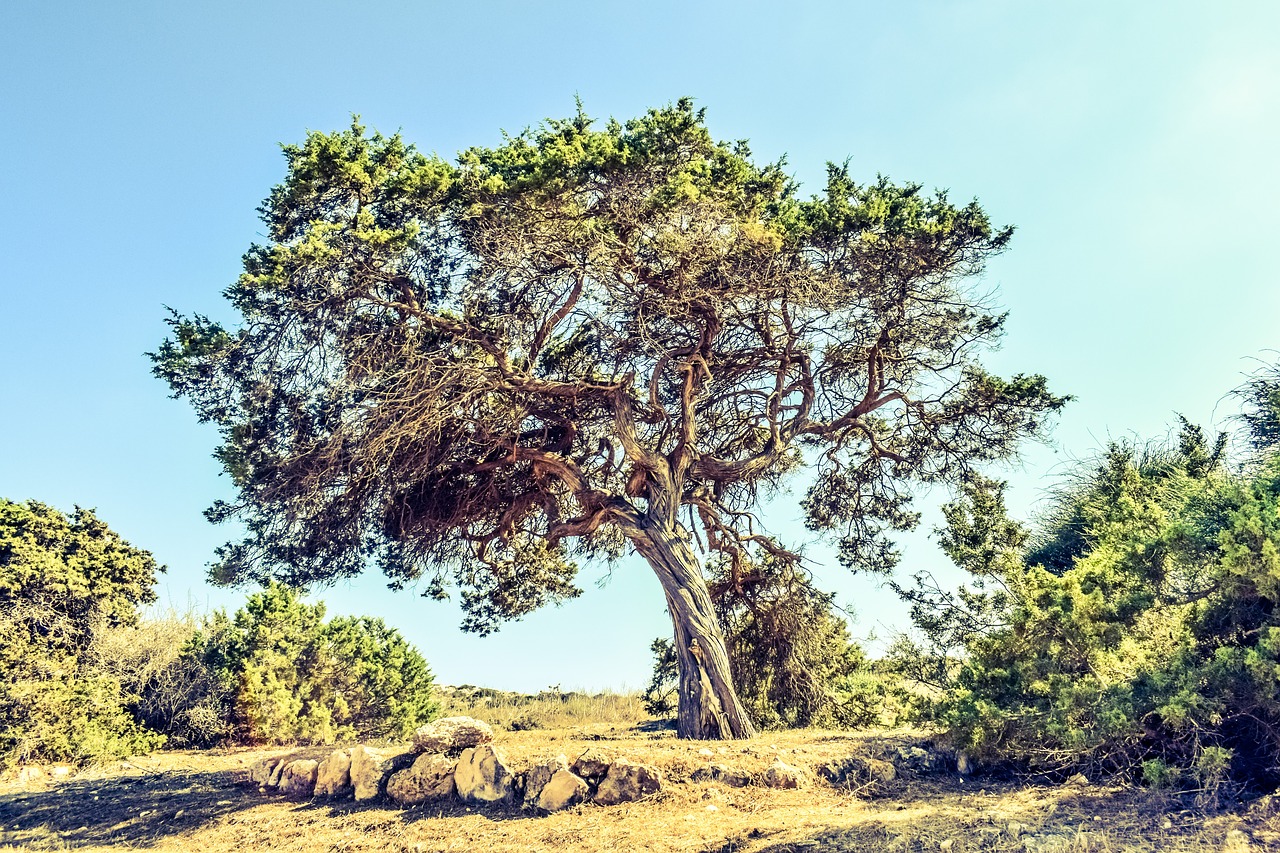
{"x":370,"y":769}
{"x":562,"y":790}
{"x":861,"y":774}
{"x":333,"y":776}
{"x":483,"y":775}
{"x":31,"y":773}
{"x":430,"y":778}
{"x":627,"y":782}
{"x":592,"y":764}
{"x":731,"y":776}
{"x":298,"y":778}
{"x":274,"y":781}
{"x":782,"y":775}
{"x":451,"y":735}
{"x":538,"y":777}
{"x":260,"y":771}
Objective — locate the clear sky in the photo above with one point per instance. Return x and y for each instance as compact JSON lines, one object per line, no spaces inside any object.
{"x":1133,"y":144}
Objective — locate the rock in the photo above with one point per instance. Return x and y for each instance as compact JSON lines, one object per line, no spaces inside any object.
{"x":1237,"y":841}
{"x":538,"y":777}
{"x":333,"y":776}
{"x":260,"y":771}
{"x":869,"y":776}
{"x":626,"y":782}
{"x":30,"y":773}
{"x":592,"y":764}
{"x":706,"y":753}
{"x":964,"y":764}
{"x":298,"y":778}
{"x":483,"y":775}
{"x":430,"y":778}
{"x":781,"y":775}
{"x":946,"y":844}
{"x":370,"y":769}
{"x":562,"y":790}
{"x":730,"y":776}
{"x":1048,"y":843}
{"x":451,"y":735}
{"x":274,"y":781}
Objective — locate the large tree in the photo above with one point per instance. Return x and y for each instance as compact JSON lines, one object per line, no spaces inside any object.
{"x":586,"y":340}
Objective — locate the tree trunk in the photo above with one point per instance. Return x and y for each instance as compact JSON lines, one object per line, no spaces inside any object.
{"x":709,"y":708}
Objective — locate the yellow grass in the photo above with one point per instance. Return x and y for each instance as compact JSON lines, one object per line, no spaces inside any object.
{"x":550,"y":709}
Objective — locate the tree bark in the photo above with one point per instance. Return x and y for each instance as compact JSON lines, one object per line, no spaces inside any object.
{"x":709,"y":708}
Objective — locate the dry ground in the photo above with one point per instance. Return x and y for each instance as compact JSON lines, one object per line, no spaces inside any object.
{"x":197,"y":801}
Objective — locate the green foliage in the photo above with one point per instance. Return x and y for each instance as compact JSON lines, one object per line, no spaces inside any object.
{"x":292,"y":677}
{"x":64,"y":582}
{"x":1136,"y":633}
{"x":792,"y":658}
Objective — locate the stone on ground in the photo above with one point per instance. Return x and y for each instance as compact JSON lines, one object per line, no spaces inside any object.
{"x":298,"y":779}
{"x":451,"y":735}
{"x":260,"y":771}
{"x":430,"y":778}
{"x":538,"y":777}
{"x":333,"y":776}
{"x":782,"y":775}
{"x":562,"y":790}
{"x":731,"y":776}
{"x":627,"y":782}
{"x":592,"y":764}
{"x":370,"y":769}
{"x":483,"y":775}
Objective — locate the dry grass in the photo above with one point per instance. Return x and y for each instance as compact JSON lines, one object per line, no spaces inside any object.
{"x":550,"y":709}
{"x":192,"y":801}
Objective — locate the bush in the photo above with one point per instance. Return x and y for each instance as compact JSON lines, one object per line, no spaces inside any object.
{"x":1137,"y":633}
{"x":64,"y":582}
{"x":292,"y":677}
{"x":166,"y":686}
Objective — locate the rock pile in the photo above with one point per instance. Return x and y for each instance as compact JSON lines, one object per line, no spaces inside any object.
{"x":455,"y":757}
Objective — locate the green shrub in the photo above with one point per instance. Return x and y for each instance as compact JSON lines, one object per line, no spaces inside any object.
{"x":292,"y":677}
{"x":1137,"y":633}
{"x":64,"y":582}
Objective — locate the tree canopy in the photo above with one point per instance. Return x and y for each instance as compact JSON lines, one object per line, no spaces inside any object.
{"x":482,"y":372}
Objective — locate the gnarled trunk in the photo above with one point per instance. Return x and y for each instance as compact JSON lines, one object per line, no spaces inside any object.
{"x":709,"y":708}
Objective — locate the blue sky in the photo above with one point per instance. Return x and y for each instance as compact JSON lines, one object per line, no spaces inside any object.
{"x":1133,"y":145}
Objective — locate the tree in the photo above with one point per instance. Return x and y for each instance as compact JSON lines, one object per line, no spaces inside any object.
{"x":793,"y":661}
{"x":584,"y":340}
{"x":64,"y":580}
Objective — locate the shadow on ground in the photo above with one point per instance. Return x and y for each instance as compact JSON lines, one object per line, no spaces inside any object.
{"x":127,"y":811}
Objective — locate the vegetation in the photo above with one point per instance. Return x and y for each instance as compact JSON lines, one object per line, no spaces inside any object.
{"x":1137,"y":632}
{"x":87,"y":680}
{"x":586,"y":340}
{"x":791,"y":655}
{"x":64,"y":582}
{"x":294,"y":678}
{"x":552,"y":708}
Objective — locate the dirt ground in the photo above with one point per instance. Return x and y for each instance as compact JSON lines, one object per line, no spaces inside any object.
{"x":201,"y":801}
